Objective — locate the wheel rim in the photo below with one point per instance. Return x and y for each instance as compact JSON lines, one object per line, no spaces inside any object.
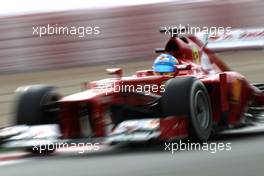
{"x":201,"y":110}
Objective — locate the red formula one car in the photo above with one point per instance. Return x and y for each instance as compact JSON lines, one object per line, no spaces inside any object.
{"x":202,"y":97}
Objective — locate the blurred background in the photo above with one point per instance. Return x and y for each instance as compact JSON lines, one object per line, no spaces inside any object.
{"x":128,"y":36}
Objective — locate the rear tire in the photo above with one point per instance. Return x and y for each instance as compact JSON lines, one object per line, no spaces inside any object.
{"x":188,"y":96}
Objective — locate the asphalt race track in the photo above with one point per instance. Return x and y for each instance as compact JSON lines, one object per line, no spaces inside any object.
{"x":245,"y":158}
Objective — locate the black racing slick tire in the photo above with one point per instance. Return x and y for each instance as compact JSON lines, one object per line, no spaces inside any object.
{"x":189,"y":96}
{"x":36,"y":105}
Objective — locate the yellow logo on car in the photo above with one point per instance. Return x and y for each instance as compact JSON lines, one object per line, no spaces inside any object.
{"x":196,"y":56}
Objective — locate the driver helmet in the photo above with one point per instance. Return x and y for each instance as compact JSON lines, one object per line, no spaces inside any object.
{"x":164,"y":64}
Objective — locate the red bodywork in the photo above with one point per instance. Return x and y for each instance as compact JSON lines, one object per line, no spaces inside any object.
{"x":230,"y":93}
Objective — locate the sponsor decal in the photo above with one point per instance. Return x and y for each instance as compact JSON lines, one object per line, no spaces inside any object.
{"x":196,"y":56}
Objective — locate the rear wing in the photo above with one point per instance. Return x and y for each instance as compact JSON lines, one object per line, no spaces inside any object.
{"x":235,"y":40}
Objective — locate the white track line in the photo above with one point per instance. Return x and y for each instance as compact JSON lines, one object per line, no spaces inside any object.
{"x":11,"y":162}
{"x":12,"y":156}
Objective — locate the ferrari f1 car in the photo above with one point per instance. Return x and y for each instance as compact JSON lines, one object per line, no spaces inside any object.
{"x":203,"y":97}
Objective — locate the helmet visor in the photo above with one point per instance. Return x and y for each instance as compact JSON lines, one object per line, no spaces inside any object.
{"x":164,"y":68}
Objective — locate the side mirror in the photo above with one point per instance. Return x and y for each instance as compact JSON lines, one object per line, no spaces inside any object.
{"x":115,"y":71}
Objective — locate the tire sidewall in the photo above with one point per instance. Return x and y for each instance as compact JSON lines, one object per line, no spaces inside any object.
{"x":197,"y":133}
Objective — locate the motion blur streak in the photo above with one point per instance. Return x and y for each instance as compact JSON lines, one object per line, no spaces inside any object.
{"x":127,"y":34}
{"x":15,"y":7}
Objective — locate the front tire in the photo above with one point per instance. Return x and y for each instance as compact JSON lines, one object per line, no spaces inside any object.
{"x":36,"y":105}
{"x":188,"y":96}
{"x":200,"y":113}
